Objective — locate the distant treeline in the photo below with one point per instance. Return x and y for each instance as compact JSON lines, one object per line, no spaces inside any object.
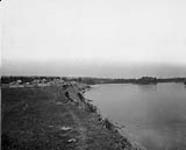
{"x":142,"y":80}
{"x":91,"y":80}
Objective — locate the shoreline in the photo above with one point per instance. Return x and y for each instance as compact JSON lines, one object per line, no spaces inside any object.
{"x":88,"y":130}
{"x":118,"y":128}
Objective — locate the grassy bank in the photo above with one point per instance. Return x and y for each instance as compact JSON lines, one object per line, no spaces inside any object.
{"x":55,"y":118}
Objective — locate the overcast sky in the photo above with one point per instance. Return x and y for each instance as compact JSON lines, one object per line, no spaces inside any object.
{"x":93,"y":32}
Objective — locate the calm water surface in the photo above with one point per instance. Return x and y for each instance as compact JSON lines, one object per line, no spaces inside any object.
{"x":154,"y":115}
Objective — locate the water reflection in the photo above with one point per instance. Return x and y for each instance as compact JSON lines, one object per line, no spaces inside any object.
{"x":147,"y":87}
{"x":155,"y":115}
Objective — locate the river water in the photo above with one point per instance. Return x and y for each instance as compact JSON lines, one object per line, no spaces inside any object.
{"x":153,"y":115}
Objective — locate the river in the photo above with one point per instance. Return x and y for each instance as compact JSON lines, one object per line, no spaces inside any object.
{"x":153,"y":115}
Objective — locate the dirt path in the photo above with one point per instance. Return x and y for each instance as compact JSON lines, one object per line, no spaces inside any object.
{"x":82,"y":130}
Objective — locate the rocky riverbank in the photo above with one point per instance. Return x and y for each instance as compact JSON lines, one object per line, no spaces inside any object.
{"x":56,"y":117}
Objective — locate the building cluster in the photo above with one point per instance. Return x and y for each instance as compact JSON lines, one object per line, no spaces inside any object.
{"x":36,"y":83}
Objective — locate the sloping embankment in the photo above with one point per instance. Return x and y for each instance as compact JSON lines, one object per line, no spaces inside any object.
{"x":56,"y":118}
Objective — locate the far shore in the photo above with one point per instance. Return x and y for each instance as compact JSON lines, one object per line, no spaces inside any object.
{"x":41,"y":81}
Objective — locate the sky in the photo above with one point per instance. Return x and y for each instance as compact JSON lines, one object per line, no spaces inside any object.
{"x":93,"y":37}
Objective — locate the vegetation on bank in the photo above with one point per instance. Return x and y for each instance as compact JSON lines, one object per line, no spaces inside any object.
{"x":185,"y":81}
{"x":56,"y":117}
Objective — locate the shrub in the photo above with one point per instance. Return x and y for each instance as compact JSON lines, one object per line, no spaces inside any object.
{"x":91,"y":108}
